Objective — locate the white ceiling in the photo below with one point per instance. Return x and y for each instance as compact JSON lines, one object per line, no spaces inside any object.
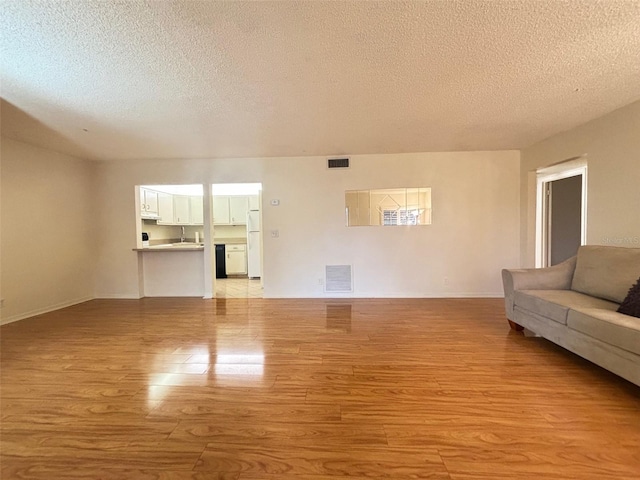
{"x":200,"y":79}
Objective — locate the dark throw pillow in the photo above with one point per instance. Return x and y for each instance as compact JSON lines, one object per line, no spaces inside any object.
{"x":631,"y":304}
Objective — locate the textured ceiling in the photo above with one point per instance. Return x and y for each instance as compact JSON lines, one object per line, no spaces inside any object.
{"x":151,"y":79}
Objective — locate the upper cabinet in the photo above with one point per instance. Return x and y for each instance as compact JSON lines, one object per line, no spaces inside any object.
{"x":165,"y":208}
{"x":174,"y":209}
{"x":238,"y":208}
{"x":221,"y":214}
{"x":254,"y":202}
{"x":148,"y":202}
{"x":196,"y":210}
{"x":230,"y":209}
{"x":171,"y":209}
{"x":181,"y":214}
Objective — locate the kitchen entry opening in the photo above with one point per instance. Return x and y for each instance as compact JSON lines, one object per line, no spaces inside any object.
{"x":237,"y":238}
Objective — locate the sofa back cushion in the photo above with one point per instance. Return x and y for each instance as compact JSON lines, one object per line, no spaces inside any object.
{"x":606,"y":272}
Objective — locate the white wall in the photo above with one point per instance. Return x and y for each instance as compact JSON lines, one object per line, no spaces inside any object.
{"x":475,"y":230}
{"x":612,"y":147}
{"x":222,"y":232}
{"x":48,"y":246}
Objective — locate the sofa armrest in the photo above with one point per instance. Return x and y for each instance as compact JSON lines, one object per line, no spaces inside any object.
{"x":558,"y":277}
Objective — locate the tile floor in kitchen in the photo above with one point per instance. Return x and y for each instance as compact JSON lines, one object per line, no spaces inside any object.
{"x":238,"y":287}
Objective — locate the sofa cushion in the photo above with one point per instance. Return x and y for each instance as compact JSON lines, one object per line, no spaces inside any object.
{"x":608,"y":326}
{"x":555,"y":304}
{"x":631,"y":304}
{"x":606,"y":272}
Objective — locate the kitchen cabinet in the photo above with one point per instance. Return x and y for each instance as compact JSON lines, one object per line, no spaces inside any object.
{"x":238,"y":208}
{"x":221,"y":215}
{"x":165,"y":208}
{"x":148,"y":202}
{"x":181,"y":210}
{"x":254,"y":202}
{"x":236,"y":261}
{"x":196,"y":211}
{"x":231,"y":209}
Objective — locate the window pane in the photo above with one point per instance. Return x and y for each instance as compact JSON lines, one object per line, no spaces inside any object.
{"x":387,"y":207}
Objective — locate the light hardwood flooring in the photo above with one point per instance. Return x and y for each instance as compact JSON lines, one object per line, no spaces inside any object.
{"x":249,"y":389}
{"x":238,"y":287}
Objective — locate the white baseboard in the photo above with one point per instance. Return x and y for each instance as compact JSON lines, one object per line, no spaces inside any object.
{"x":117,"y":296}
{"x":40,"y":311}
{"x":399,"y":295}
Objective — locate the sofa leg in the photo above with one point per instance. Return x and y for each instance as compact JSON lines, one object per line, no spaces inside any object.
{"x":515,"y":326}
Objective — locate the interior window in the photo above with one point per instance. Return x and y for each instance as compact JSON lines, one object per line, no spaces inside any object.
{"x":388,"y":207}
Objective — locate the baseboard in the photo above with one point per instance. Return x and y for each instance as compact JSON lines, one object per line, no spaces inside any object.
{"x":117,"y":296}
{"x":124,"y":296}
{"x":40,"y":311}
{"x":398,"y":295}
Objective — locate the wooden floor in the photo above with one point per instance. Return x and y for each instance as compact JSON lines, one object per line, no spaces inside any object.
{"x":305,"y":389}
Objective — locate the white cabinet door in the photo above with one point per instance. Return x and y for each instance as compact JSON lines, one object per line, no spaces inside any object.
{"x":148,"y":202}
{"x":181,"y":210}
{"x":165,"y":208}
{"x":197,"y":215}
{"x":238,"y":208}
{"x":236,"y":263}
{"x":254,"y":202}
{"x":221,"y":210}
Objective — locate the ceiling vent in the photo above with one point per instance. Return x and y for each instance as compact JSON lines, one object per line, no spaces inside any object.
{"x":338,"y":279}
{"x":338,"y":162}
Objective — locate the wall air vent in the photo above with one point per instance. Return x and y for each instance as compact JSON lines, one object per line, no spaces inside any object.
{"x":338,"y":279}
{"x":338,"y":162}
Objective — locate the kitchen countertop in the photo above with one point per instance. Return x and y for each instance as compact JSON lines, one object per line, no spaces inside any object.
{"x":172,"y":247}
{"x":191,"y":246}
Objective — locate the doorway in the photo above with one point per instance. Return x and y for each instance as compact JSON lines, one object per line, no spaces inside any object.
{"x":561,"y":211}
{"x":565,"y":218}
{"x":237,"y":218}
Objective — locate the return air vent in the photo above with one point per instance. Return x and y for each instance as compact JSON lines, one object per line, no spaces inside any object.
{"x":338,"y":279}
{"x":338,"y":162}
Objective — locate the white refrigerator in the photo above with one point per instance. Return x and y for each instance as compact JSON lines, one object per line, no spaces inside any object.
{"x":254,"y":244}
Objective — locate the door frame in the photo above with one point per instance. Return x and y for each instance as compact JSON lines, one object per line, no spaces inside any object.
{"x":211,"y":285}
{"x":572,"y":167}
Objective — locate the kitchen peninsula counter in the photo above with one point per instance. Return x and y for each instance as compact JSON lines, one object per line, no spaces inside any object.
{"x":172,"y":271}
{"x":170,"y":248}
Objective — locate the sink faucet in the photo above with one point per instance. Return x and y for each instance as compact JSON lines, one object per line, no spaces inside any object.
{"x":182,"y":236}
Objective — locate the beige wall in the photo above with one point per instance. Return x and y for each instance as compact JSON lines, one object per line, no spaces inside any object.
{"x":611,"y":145}
{"x":65,"y":220}
{"x":49,"y":241}
{"x":475,"y":229}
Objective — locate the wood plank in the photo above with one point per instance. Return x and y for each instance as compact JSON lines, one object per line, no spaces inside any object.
{"x":368,"y":461}
{"x":178,"y":389}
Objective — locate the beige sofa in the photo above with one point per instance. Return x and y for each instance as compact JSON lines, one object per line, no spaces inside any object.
{"x":573,"y":304}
